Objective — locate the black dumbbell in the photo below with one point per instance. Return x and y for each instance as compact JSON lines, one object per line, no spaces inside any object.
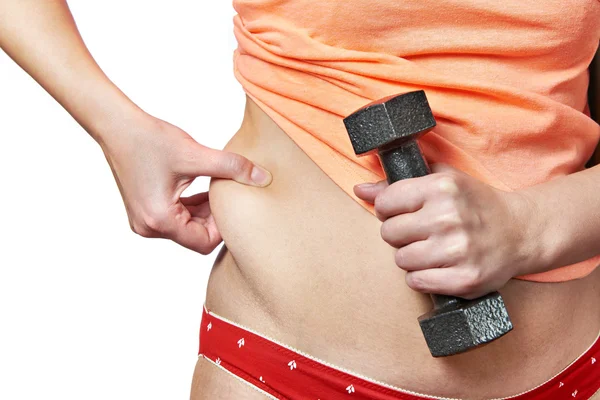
{"x":390,"y":127}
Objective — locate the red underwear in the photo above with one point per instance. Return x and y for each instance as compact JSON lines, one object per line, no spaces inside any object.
{"x":280,"y":372}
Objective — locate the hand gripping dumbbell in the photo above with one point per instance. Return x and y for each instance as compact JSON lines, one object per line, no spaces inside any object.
{"x":391,"y":127}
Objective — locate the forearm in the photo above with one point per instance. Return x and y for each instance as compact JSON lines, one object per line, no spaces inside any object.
{"x":41,"y":36}
{"x":565,"y":220}
{"x":566,"y":211}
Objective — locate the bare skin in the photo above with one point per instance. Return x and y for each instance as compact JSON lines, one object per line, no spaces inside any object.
{"x":322,"y":280}
{"x":320,"y":277}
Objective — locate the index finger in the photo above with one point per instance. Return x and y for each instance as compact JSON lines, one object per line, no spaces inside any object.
{"x":198,"y":234}
{"x":401,"y":197}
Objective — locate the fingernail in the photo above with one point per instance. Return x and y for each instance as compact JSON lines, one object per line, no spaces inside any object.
{"x":260,"y":176}
{"x":365,"y":185}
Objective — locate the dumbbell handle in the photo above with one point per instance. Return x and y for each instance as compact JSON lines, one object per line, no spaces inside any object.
{"x":404,"y":162}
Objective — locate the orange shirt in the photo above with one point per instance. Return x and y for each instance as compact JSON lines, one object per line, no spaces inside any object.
{"x":506,"y":81}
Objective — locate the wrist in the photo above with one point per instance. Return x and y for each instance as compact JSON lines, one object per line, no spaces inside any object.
{"x":106,"y":113}
{"x":536,"y":234}
{"x":117,"y":133}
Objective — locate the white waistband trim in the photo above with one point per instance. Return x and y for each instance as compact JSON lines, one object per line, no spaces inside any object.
{"x":253,"y":386}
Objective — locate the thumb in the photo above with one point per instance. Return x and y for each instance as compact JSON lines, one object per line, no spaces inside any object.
{"x":226,"y":164}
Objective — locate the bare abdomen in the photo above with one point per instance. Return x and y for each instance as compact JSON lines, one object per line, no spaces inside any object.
{"x":305,"y":264}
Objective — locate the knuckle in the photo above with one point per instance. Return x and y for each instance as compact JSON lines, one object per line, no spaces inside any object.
{"x":202,"y":250}
{"x":471,"y":280}
{"x":237,"y":163}
{"x":416,"y":282}
{"x":140,"y":229}
{"x":205,"y":250}
{"x":448,"y":220}
{"x":187,"y":161}
{"x":447,"y":186}
{"x":400,"y":258}
{"x":156,"y":221}
{"x":386,"y":230}
{"x":459,"y":248}
{"x":466,"y":244}
{"x":379,"y":202}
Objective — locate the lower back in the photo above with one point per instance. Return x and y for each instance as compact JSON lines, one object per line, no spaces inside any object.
{"x":305,"y":264}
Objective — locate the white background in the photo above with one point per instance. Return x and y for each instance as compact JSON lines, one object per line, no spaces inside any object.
{"x":88,"y":309}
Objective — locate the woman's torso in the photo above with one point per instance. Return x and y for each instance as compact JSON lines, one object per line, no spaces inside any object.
{"x":305,"y":264}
